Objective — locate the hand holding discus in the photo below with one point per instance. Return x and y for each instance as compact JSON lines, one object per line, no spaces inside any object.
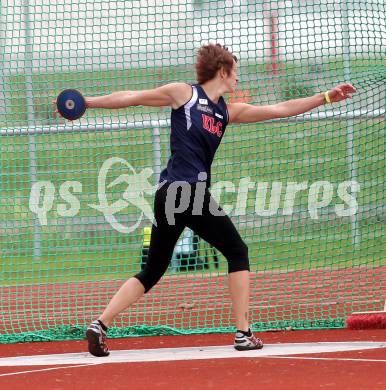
{"x":71,"y":104}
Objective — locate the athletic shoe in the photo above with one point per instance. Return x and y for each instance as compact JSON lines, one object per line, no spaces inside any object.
{"x":246,"y":343}
{"x":96,"y":338}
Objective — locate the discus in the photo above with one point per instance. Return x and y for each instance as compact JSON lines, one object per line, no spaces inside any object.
{"x":71,"y":104}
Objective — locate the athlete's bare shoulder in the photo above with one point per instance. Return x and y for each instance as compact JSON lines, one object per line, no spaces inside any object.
{"x":181,"y":93}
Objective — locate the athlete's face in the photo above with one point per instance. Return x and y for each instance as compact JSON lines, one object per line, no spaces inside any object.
{"x":231,"y":79}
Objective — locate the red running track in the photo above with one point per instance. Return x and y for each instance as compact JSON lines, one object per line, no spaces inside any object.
{"x":352,"y":370}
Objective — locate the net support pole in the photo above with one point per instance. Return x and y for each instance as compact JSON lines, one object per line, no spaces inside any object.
{"x":156,"y":152}
{"x":273,"y":40}
{"x":272,"y":51}
{"x":351,"y":160}
{"x":30,"y":121}
{"x":3,"y":105}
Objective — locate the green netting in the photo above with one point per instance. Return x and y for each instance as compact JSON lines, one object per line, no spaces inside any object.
{"x":316,"y":254}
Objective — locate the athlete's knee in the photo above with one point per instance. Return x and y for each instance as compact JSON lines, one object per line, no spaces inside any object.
{"x":237,"y":257}
{"x":149,"y":277}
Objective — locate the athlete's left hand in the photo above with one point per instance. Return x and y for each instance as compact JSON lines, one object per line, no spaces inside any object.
{"x":341,"y":92}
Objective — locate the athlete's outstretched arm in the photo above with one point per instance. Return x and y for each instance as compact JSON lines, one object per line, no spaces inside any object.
{"x":248,"y":113}
{"x":172,"y":95}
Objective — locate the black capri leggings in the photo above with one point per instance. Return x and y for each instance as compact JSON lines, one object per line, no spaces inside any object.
{"x":218,"y":230}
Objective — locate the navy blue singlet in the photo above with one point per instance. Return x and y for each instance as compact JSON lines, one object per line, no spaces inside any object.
{"x":197,"y":129}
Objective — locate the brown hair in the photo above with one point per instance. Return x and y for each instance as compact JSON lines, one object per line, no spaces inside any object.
{"x":210,"y":59}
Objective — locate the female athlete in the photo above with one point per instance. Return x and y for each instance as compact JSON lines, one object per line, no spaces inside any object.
{"x":199,"y":117}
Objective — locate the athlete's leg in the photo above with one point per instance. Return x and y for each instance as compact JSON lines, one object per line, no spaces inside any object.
{"x":128,"y":294}
{"x":239,"y":291}
{"x":162,"y":242}
{"x":220,"y":232}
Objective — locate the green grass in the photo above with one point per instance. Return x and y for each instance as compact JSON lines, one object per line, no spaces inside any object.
{"x":249,"y":150}
{"x":253,"y":76}
{"x":264,"y":256}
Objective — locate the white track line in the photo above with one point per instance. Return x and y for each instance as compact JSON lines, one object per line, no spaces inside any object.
{"x":47,"y":369}
{"x":188,"y":353}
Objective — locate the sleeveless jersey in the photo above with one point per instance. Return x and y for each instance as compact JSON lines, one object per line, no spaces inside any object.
{"x":197,"y":129}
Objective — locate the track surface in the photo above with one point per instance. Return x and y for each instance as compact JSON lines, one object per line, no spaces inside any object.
{"x":361,"y":369}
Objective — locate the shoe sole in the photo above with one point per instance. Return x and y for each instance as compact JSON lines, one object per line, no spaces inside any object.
{"x":93,"y":339}
{"x":241,"y":348}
